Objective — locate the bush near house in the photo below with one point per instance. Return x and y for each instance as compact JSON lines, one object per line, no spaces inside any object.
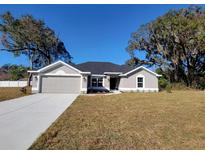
{"x":13,"y":72}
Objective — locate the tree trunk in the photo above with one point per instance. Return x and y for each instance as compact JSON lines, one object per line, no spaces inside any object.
{"x":29,"y":80}
{"x":31,"y":68}
{"x":189,"y":73}
{"x":49,"y":59}
{"x":189,"y":76}
{"x":176,"y":78}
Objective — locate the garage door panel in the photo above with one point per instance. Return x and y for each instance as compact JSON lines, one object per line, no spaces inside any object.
{"x":52,"y":84}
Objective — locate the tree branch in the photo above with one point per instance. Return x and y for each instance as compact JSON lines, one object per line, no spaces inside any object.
{"x":10,"y":50}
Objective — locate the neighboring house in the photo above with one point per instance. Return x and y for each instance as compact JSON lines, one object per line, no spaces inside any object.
{"x":61,"y":77}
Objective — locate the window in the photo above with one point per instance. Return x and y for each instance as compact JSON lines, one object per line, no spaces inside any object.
{"x":100,"y":82}
{"x":140,"y":82}
{"x":97,"y":82}
{"x":94,"y":82}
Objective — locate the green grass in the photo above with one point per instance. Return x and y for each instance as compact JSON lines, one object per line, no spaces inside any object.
{"x":130,"y":121}
{"x":10,"y":93}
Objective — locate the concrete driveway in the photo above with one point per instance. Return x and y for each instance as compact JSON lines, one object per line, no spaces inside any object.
{"x":22,"y":120}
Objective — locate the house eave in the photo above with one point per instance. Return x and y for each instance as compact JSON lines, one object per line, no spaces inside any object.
{"x":98,"y":75}
{"x":86,"y":73}
{"x":56,"y":63}
{"x":112,"y":73}
{"x":32,"y":71}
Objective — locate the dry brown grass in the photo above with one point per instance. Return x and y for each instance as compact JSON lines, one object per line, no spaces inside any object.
{"x":130,"y":121}
{"x":10,"y":93}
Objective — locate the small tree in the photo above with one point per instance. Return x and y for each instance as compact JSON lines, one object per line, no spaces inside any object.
{"x":17,"y":72}
{"x":163,"y":82}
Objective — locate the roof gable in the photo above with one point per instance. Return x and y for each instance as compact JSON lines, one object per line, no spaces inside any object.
{"x":138,"y":68}
{"x":61,"y":68}
{"x":53,"y":65}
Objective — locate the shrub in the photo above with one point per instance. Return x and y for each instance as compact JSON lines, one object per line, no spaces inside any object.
{"x":200,"y":83}
{"x":168,"y":88}
{"x":163,"y":83}
{"x":180,"y":86}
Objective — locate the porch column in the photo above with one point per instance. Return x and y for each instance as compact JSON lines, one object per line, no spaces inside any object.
{"x":106,"y":82}
{"x":84,"y":84}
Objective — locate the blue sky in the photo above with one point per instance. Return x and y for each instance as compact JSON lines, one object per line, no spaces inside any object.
{"x":90,"y":32}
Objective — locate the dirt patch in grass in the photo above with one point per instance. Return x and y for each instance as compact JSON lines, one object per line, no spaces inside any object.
{"x":130,"y":121}
{"x":10,"y":93}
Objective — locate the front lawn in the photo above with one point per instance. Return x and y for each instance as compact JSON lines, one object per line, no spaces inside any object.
{"x":10,"y":93}
{"x":130,"y":121}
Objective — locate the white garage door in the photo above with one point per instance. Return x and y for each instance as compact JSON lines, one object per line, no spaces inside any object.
{"x":58,"y":84}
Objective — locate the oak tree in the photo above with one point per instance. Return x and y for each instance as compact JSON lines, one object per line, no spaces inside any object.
{"x":175,"y":43}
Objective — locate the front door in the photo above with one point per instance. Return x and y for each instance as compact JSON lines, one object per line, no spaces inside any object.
{"x":113,"y":83}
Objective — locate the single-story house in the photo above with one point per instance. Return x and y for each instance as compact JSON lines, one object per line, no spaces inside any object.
{"x":61,"y":77}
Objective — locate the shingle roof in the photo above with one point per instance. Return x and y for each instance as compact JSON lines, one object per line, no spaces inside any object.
{"x":101,"y":67}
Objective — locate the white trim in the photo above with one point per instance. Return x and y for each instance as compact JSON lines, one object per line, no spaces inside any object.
{"x":38,"y":83}
{"x":98,"y":88}
{"x":113,"y":73}
{"x":83,"y":89}
{"x":85,"y":72}
{"x":53,"y":74}
{"x":143,"y":77}
{"x":139,"y":89}
{"x":98,"y":75}
{"x":34,"y":88}
{"x":56,"y":63}
{"x":141,"y":67}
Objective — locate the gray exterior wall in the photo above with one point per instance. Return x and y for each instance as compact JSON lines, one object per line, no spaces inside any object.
{"x":129,"y":82}
{"x":64,"y":68}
